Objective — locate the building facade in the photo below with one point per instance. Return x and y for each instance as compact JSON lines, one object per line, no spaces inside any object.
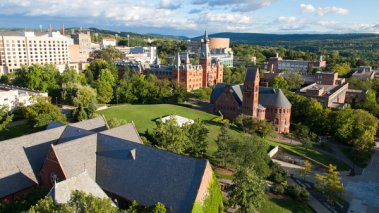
{"x":12,"y":96}
{"x":108,"y":41}
{"x":328,"y":89}
{"x":27,"y":48}
{"x":276,"y":64}
{"x":250,"y":99}
{"x":81,"y":49}
{"x":207,"y":73}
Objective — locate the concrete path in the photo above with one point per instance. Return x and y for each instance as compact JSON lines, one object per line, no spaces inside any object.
{"x":364,"y":189}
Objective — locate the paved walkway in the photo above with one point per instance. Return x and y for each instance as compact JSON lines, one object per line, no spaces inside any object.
{"x":364,"y":189}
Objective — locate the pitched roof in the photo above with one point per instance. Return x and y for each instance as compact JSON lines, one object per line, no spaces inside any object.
{"x":272,"y":97}
{"x":61,"y":191}
{"x":127,"y":132}
{"x":77,"y":156}
{"x":25,"y":155}
{"x":267,"y":96}
{"x":97,"y":124}
{"x":252,"y":73}
{"x":153,"y":176}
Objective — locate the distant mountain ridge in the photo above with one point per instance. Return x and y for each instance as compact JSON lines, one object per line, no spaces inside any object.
{"x":264,"y":39}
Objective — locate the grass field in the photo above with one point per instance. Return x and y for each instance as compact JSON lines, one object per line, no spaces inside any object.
{"x":144,"y":117}
{"x":284,"y":205}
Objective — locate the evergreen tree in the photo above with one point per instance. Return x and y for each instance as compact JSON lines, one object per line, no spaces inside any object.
{"x":224,"y":151}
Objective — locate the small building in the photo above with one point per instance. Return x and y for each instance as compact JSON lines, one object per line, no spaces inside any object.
{"x":363,"y":73}
{"x":108,"y":41}
{"x":249,"y":98}
{"x":180,"y":121}
{"x":12,"y":96}
{"x":328,"y":89}
{"x":277,"y":64}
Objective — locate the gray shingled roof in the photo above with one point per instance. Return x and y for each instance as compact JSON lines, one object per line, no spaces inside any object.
{"x":267,"y":96}
{"x":26,"y":154}
{"x":78,"y":156}
{"x":272,"y":97}
{"x":127,"y":132}
{"x":251,"y":73}
{"x":153,"y":176}
{"x":61,"y":191}
{"x":97,"y":124}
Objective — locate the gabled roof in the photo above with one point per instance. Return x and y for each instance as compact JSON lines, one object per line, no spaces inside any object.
{"x":127,"y":132}
{"x":97,"y":124}
{"x":26,"y":154}
{"x":267,"y":96}
{"x":61,"y":191}
{"x":77,"y":156}
{"x":153,"y":176}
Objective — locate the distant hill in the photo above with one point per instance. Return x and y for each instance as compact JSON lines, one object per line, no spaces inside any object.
{"x":264,"y":39}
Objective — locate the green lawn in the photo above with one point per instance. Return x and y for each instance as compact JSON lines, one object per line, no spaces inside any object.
{"x":144,"y":117}
{"x":312,"y":155}
{"x":17,"y":131}
{"x":284,"y":205}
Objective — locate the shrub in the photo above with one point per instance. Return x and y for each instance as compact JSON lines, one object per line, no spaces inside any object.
{"x":298,"y":193}
{"x":278,"y":174}
{"x":278,"y":189}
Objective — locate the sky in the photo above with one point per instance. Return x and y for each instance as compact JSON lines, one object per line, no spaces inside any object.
{"x":191,"y":17}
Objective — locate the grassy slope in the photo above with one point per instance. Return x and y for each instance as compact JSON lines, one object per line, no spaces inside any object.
{"x":144,"y":117}
{"x":284,"y":206}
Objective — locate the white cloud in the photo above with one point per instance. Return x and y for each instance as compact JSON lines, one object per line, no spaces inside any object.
{"x":233,"y":18}
{"x":307,"y":8}
{"x":169,"y":4}
{"x":126,"y":12}
{"x":322,"y":11}
{"x":237,"y":5}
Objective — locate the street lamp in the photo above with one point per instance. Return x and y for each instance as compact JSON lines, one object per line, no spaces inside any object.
{"x":128,"y":39}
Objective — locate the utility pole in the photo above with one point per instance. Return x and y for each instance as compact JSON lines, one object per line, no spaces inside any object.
{"x":128,"y":40}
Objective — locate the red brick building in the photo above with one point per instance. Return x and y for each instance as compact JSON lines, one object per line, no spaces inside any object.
{"x":250,"y":99}
{"x":207,"y":73}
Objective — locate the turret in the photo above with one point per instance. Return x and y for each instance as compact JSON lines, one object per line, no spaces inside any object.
{"x":177,"y":61}
{"x":188,"y":59}
{"x":251,"y":92}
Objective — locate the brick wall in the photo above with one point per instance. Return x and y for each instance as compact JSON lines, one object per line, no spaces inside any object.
{"x":50,"y":167}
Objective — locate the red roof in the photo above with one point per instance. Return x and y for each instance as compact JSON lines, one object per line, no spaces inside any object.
{"x":109,"y":38}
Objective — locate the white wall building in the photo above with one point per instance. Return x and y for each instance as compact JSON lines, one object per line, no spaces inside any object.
{"x":225,"y":55}
{"x":140,"y":54}
{"x":12,"y":96}
{"x":108,"y":41}
{"x":27,"y":48}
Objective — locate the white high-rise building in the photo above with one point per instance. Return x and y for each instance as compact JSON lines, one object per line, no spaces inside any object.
{"x":27,"y":48}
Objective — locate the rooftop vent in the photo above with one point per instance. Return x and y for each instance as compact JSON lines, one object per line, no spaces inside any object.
{"x":133,"y":153}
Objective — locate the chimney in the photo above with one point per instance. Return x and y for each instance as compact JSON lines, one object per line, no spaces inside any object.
{"x":50,"y":28}
{"x":62,"y":29}
{"x":133,"y":153}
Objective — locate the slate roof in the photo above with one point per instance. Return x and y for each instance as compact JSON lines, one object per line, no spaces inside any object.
{"x":77,"y":156}
{"x":61,"y":191}
{"x":267,"y":96}
{"x":115,"y":159}
{"x":26,"y":154}
{"x":97,"y":124}
{"x":251,"y":74}
{"x":154,"y":175}
{"x":127,"y":132}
